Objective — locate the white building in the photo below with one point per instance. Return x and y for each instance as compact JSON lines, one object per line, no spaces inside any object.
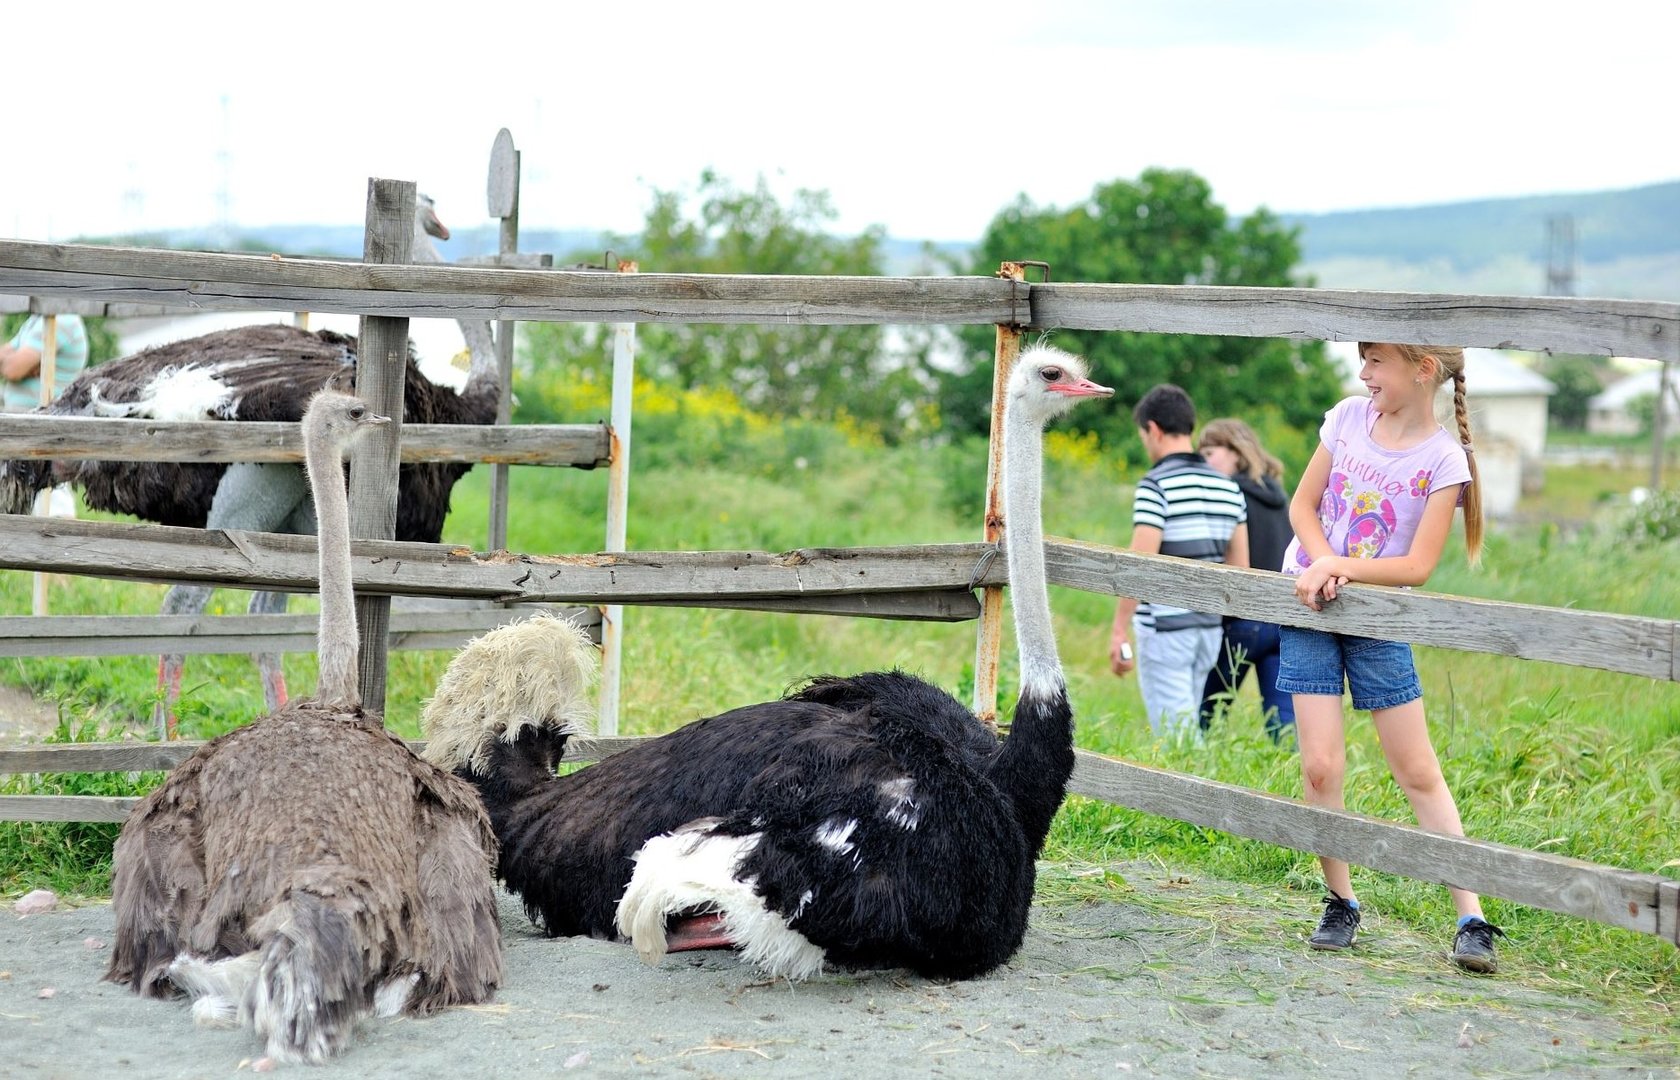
{"x":1609,"y":412}
{"x":1507,"y":403}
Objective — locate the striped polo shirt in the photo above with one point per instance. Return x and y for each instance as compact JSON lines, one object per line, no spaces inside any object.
{"x":1197,"y":508}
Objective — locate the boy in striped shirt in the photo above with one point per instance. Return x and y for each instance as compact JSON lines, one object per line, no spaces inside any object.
{"x":1184,"y":507}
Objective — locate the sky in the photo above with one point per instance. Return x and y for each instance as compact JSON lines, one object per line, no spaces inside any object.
{"x":923,"y":118}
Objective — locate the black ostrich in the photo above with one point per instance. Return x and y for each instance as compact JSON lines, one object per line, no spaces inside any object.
{"x":251,"y":373}
{"x":308,"y":869}
{"x":864,"y":821}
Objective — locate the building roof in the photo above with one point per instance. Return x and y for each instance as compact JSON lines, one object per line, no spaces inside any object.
{"x":1628,"y":387}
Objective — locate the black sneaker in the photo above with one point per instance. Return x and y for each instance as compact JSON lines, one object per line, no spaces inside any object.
{"x":1338,"y":927}
{"x":1473,"y":947}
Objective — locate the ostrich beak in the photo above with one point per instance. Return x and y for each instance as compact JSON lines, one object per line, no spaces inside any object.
{"x":1079,"y":388}
{"x":434,"y":226}
{"x":375,"y":420}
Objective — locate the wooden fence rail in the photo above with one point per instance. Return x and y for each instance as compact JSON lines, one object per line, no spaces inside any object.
{"x":246,"y":282}
{"x":824,"y":579}
{"x":79,"y":438}
{"x":152,"y":635}
{"x":1645,"y":903}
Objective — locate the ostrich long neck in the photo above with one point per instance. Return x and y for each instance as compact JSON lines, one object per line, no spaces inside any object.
{"x":1034,"y":763}
{"x":1035,"y":637}
{"x":485,"y":369}
{"x":484,"y":374}
{"x":337,"y":642}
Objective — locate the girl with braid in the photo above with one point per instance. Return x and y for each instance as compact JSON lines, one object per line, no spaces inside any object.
{"x":1375,"y":505}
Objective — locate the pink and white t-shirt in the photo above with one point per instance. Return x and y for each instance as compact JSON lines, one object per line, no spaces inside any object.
{"x":1374,"y":501}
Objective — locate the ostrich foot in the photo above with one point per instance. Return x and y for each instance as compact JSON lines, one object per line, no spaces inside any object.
{"x":689,"y":932}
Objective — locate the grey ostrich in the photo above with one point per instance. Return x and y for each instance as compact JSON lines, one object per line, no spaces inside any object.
{"x":251,"y":373}
{"x":863,"y":821}
{"x":308,"y":869}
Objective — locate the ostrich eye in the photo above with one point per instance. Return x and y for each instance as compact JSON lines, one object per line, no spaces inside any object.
{"x":357,"y":412}
{"x":1051,"y":374}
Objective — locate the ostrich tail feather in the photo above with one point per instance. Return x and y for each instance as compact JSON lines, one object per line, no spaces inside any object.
{"x":538,"y":672}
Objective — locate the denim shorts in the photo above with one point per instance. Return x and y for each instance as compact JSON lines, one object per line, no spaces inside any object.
{"x":1381,"y":674}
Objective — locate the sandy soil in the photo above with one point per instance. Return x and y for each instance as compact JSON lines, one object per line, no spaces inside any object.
{"x":24,"y":719}
{"x":1126,"y":984}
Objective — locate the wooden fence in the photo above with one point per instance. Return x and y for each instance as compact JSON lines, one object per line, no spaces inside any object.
{"x":929,"y":582}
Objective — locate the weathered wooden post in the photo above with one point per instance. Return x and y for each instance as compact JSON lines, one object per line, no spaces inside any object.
{"x":43,"y":500}
{"x":989,"y":641}
{"x":1659,"y":429}
{"x":381,"y":368}
{"x":618,"y":509}
{"x":502,"y":198}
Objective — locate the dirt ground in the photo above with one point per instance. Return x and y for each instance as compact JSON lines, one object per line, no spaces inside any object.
{"x":23,"y":718}
{"x":1124,"y":984}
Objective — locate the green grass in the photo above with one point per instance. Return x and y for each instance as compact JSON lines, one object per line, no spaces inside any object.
{"x":1573,"y":761}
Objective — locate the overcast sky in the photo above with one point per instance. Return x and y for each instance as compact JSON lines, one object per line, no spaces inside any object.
{"x":925,"y":118}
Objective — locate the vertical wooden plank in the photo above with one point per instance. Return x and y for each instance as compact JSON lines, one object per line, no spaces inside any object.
{"x":381,"y":368}
{"x":504,"y":340}
{"x":618,"y":510}
{"x":1668,"y":911}
{"x":43,"y":500}
{"x":989,"y":639}
{"x":1659,"y":429}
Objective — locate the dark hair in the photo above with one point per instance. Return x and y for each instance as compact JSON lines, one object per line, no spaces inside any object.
{"x":1170,"y":408}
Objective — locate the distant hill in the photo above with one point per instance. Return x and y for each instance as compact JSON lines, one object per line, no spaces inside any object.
{"x":1627,"y":245}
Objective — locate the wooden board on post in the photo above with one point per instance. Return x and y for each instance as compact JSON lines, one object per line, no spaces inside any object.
{"x":381,"y":369}
{"x":43,"y":500}
{"x":618,"y":509}
{"x":502,"y":199}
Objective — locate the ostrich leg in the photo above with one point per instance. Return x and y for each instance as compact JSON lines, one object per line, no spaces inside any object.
{"x":253,"y":498}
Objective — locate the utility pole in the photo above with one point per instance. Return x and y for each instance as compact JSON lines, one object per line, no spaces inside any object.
{"x":1560,"y":255}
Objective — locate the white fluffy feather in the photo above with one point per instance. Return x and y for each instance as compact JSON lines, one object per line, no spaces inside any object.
{"x":177,"y":393}
{"x":216,"y":986}
{"x":536,"y":672}
{"x":690,"y":869}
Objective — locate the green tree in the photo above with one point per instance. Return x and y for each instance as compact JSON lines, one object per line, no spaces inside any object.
{"x":1577,"y":379}
{"x":818,"y":372}
{"x":1163,"y":228}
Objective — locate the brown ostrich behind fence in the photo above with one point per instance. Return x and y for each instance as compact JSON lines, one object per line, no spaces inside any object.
{"x":308,"y":869}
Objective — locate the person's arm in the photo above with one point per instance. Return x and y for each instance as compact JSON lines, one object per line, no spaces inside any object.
{"x":1146,"y":540}
{"x":1412,"y":568}
{"x":1303,"y":505}
{"x":1236,"y":549}
{"x":19,"y":364}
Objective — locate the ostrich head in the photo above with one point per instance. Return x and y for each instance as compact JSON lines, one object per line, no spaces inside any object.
{"x":531,"y":675}
{"x":426,"y":221}
{"x":335,"y":420}
{"x":1047,"y":381}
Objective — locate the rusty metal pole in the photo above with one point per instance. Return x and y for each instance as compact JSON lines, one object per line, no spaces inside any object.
{"x":989,"y":643}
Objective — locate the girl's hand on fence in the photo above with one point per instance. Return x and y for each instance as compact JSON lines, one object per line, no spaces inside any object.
{"x":1317,"y":584}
